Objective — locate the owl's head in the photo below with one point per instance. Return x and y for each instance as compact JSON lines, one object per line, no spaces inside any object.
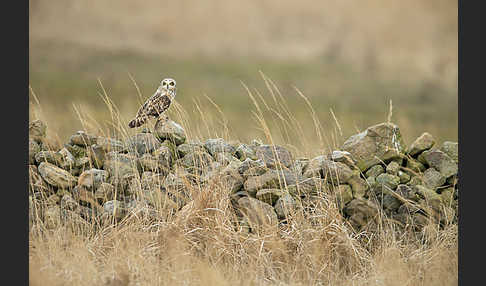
{"x":168,"y":83}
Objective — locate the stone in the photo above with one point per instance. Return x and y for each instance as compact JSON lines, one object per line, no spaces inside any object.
{"x":76,"y":151}
{"x":92,"y":179}
{"x":150,"y":180}
{"x":359,"y":186}
{"x":414,"y":166}
{"x":110,"y":144}
{"x":197,"y":159}
{"x":218,"y":145}
{"x":433,"y":179}
{"x":343,"y":157}
{"x":451,"y":149}
{"x":68,"y":161}
{"x":251,"y":167}
{"x":375,"y":171}
{"x":393,"y":168}
{"x":441,"y":162}
{"x":36,"y":183}
{"x":52,"y":157}
{"x":422,"y":143}
{"x":189,"y":147}
{"x":308,"y":187}
{"x":115,"y":208}
{"x":404,"y":177}
{"x":273,"y":155}
{"x":343,"y":194}
{"x":142,"y":143}
{"x":68,"y":203}
{"x":390,"y":182}
{"x":285,"y":206}
{"x":415,"y":181}
{"x":244,"y":152}
{"x":269,"y":180}
{"x":360,"y":212}
{"x":170,"y":131}
{"x":381,"y":142}
{"x":269,"y":196}
{"x":37,"y":130}
{"x":56,"y":176}
{"x":83,"y":139}
{"x":119,"y":165}
{"x":34,"y":148}
{"x":258,"y":213}
{"x":299,"y":166}
{"x":148,"y":162}
{"x":97,"y":155}
{"x":164,"y":158}
{"x":225,"y":158}
{"x":334,"y":172}
{"x":391,"y":203}
{"x":105,"y":192}
{"x":231,"y":181}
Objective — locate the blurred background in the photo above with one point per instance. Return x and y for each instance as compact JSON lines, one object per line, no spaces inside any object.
{"x":348,"y":58}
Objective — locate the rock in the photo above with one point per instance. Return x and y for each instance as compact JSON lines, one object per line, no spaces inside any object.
{"x":285,"y":206}
{"x":225,"y":158}
{"x":164,"y":158}
{"x":119,"y":165}
{"x":56,"y":176}
{"x":142,"y":143}
{"x":83,"y":139}
{"x":244,"y":152}
{"x":343,"y":194}
{"x":404,"y":177}
{"x":115,"y":208}
{"x":76,"y":151}
{"x":36,"y":183}
{"x":422,"y":143}
{"x":375,"y":171}
{"x":308,"y":187}
{"x":269,"y":196}
{"x":92,"y":179}
{"x":251,"y":167}
{"x":271,"y":155}
{"x":104,"y":192}
{"x":447,"y":197}
{"x":393,"y":168}
{"x":110,"y":144}
{"x":171,"y":131}
{"x":334,"y":172}
{"x":433,"y":179}
{"x":451,"y":149}
{"x":52,"y":157}
{"x":148,"y":162}
{"x":381,"y":142}
{"x":431,"y":197}
{"x":177,"y":188}
{"x":197,"y":159}
{"x":389,"y":181}
{"x":299,"y":166}
{"x":415,"y":181}
{"x":441,"y":162}
{"x":269,"y":180}
{"x":343,"y":157}
{"x":259,"y":214}
{"x":360,"y":212}
{"x":415,"y":166}
{"x":359,"y":186}
{"x":34,"y":148}
{"x":37,"y":130}
{"x":150,"y":180}
{"x":68,"y":203}
{"x":231,"y":181}
{"x":97,"y":155}
{"x":218,"y":146}
{"x":189,"y":147}
{"x":68,"y":161}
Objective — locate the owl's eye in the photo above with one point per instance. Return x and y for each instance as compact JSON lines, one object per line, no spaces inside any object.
{"x":164,"y":83}
{"x":171,"y":83}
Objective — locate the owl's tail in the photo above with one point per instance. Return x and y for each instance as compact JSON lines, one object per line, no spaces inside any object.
{"x":137,"y":121}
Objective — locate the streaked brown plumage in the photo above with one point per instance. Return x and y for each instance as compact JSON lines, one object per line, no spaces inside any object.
{"x":157,"y":104}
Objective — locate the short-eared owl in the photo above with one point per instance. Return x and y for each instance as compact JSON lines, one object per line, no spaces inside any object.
{"x":156,"y":104}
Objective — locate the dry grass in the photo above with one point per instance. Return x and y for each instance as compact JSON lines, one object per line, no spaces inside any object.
{"x":203,"y":244}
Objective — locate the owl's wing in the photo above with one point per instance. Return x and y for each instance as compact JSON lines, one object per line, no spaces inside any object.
{"x":155,"y":105}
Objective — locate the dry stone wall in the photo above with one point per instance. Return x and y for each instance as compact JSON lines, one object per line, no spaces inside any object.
{"x":374,"y":176}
